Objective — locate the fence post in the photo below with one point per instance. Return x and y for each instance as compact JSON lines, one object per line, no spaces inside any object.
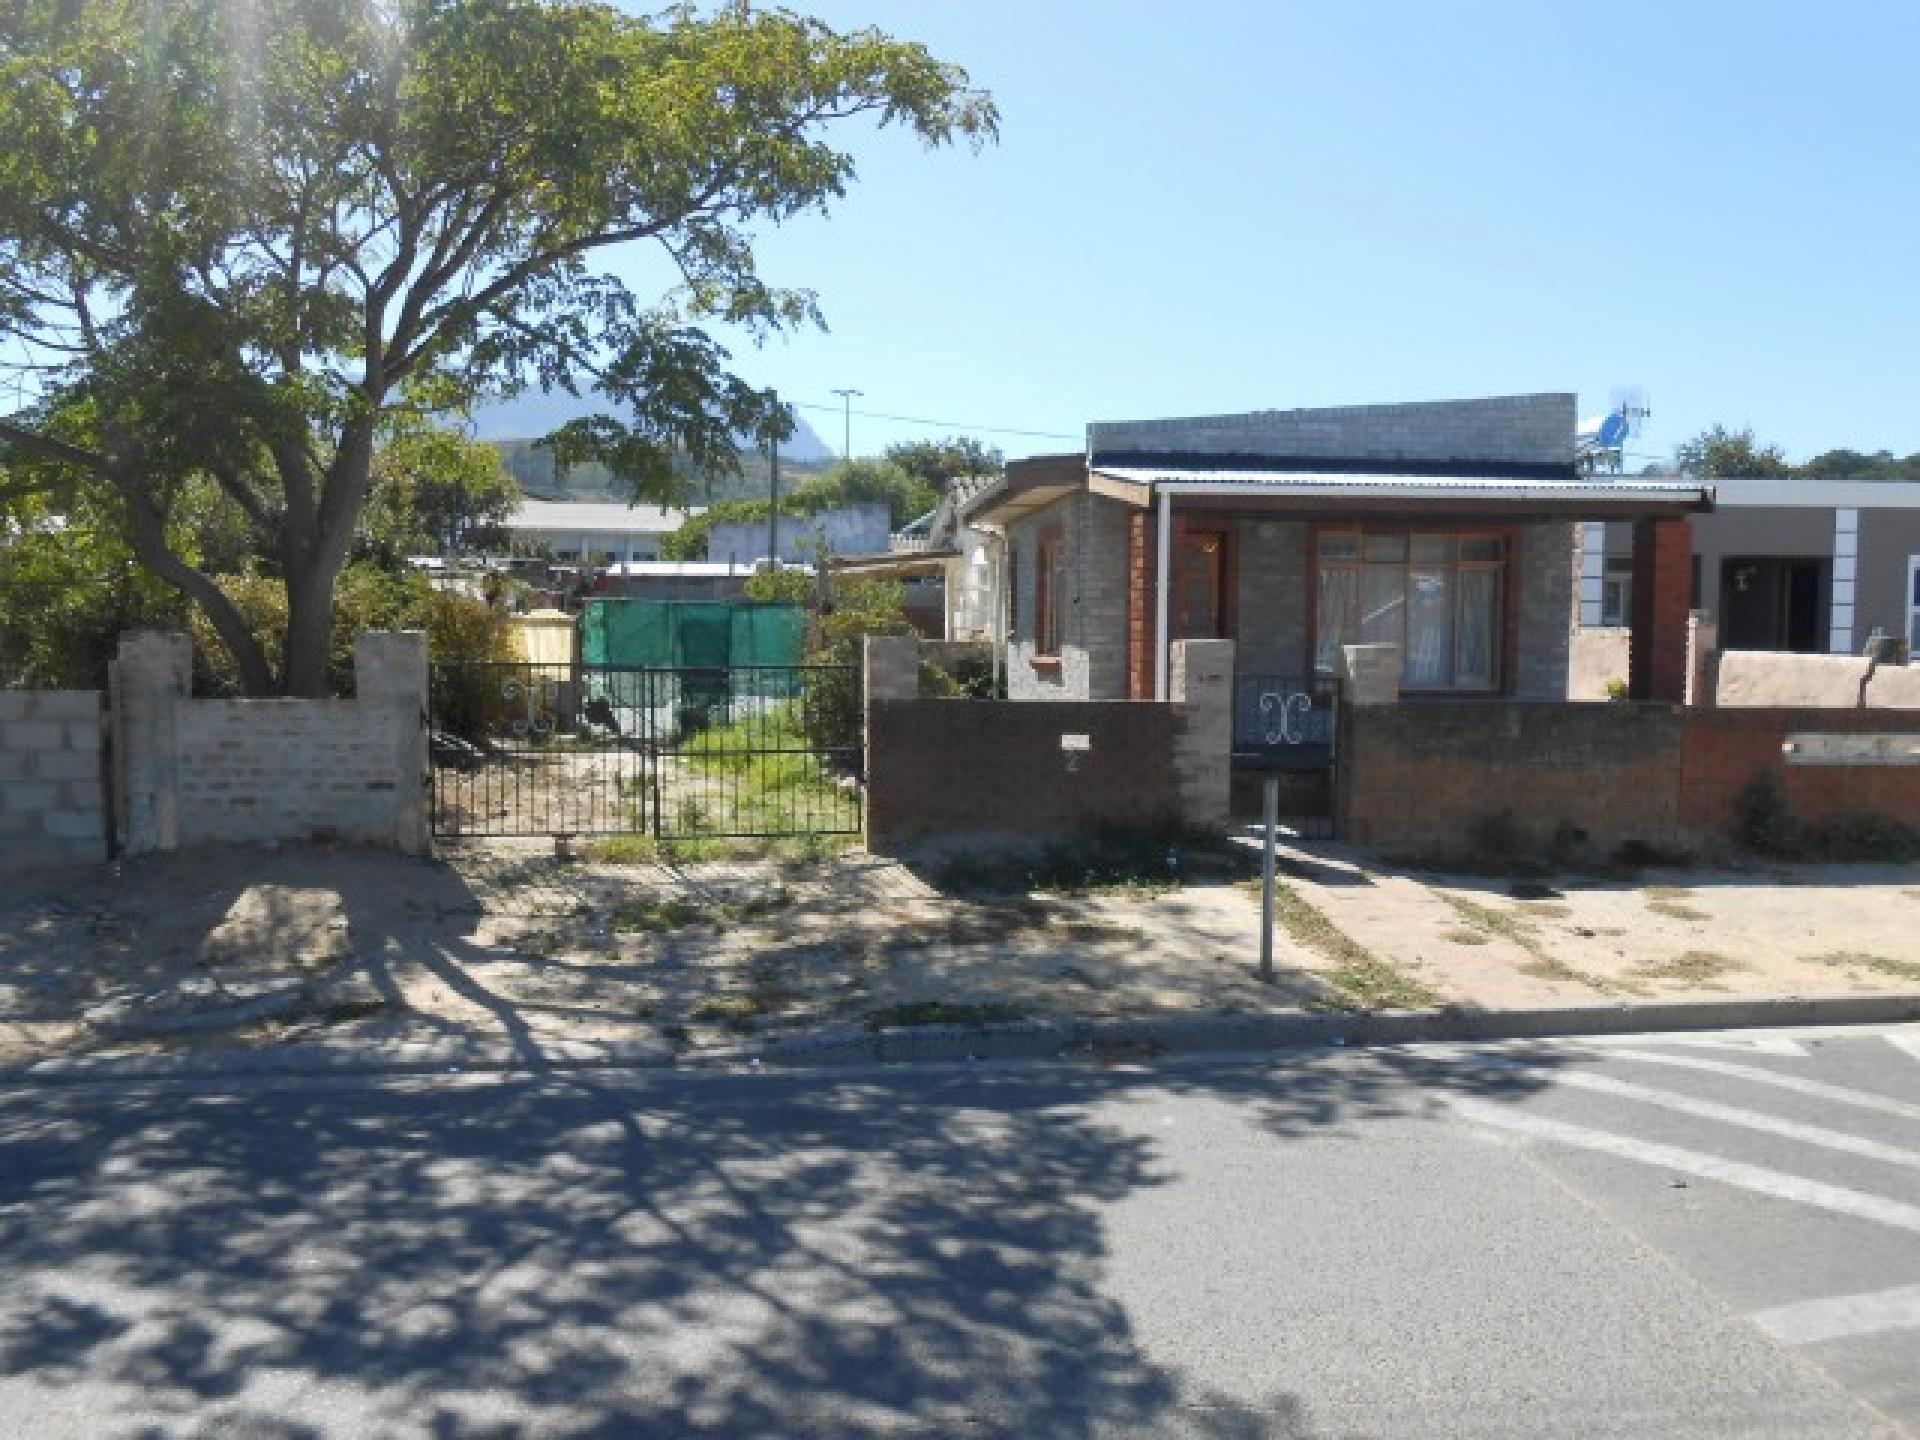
{"x":390,"y":672}
{"x":1201,"y":683}
{"x":890,"y":670}
{"x":149,"y":678}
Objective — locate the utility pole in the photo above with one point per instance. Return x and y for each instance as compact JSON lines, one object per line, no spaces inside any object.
{"x":846,"y":421}
{"x":773,"y":509}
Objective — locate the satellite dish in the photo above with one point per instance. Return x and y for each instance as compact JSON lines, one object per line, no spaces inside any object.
{"x":1630,"y":403}
{"x":1613,"y":431}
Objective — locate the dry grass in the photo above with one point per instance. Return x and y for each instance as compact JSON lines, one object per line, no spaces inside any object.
{"x":1694,"y":967}
{"x":1360,"y":979}
{"x":1517,"y":929}
{"x":1857,"y":961}
{"x":1669,"y":900}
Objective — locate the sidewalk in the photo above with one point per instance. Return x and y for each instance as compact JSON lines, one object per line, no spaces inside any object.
{"x":502,"y":957}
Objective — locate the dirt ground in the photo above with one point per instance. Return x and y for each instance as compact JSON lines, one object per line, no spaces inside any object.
{"x":503,"y":941}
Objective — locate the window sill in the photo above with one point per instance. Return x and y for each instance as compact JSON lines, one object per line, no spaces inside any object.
{"x":1047,"y":664}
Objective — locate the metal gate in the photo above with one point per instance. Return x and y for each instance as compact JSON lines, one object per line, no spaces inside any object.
{"x":1290,"y":724}
{"x":528,"y":749}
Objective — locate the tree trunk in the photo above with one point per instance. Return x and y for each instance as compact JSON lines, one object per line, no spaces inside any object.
{"x":313,"y":563}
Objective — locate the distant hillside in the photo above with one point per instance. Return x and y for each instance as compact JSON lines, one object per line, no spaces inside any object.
{"x":514,"y":425}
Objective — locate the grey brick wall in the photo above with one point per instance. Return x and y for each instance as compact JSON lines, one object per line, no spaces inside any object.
{"x":53,"y":808}
{"x":1543,"y":572}
{"x":1093,"y":649}
{"x":1532,"y":429}
{"x":1273,"y":597}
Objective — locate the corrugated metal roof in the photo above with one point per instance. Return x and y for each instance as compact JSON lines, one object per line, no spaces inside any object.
{"x":1412,"y":487}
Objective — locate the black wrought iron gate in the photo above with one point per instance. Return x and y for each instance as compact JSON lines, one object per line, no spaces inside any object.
{"x":1289,"y":724}
{"x":533,"y":749}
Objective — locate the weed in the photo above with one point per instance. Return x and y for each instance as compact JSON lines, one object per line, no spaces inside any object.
{"x":1694,"y":967}
{"x":1465,"y":937}
{"x":1670,"y":901}
{"x":1146,"y":859}
{"x":1542,"y":964}
{"x":1766,"y":824}
{"x":1881,"y":964}
{"x":652,"y":916}
{"x":941,"y":1012}
{"x":734,"y":1012}
{"x":1360,"y":980}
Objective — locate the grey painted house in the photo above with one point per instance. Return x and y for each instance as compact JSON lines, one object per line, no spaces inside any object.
{"x":1449,"y":530}
{"x":1814,"y":566}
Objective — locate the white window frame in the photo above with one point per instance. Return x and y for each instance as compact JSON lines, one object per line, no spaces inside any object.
{"x":1913,"y":602}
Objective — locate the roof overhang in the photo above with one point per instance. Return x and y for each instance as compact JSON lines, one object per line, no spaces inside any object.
{"x":903,"y":563}
{"x":1028,"y":485}
{"x":1316,"y":493}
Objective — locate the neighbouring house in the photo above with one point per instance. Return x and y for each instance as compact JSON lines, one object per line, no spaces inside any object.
{"x":1802,"y":565}
{"x":1446,"y":530}
{"x":593,"y":533}
{"x":950,"y":568}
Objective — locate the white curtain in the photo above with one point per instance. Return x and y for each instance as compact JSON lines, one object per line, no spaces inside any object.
{"x":1479,"y":615}
{"x":1334,"y":608}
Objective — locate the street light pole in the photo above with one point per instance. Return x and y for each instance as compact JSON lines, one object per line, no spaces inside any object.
{"x":846,"y":421}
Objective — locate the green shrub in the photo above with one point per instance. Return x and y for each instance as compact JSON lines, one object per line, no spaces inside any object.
{"x":1764,"y":820}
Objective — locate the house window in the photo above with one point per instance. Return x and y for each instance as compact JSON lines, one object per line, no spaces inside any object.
{"x":1050,"y":599}
{"x":1616,"y":593}
{"x":1436,"y":595}
{"x":1913,"y":602}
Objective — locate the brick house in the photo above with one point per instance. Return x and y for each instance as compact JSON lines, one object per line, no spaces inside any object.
{"x":1448,"y":530}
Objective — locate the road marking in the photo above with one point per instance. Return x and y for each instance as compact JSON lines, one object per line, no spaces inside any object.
{"x":1811,"y":1321}
{"x":1908,"y":1043}
{"x":1734,"y":1115}
{"x":1753,"y":1045}
{"x":1760,"y":1180}
{"x":1838,"y":1094}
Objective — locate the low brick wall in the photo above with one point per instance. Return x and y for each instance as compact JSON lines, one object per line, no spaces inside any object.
{"x":53,"y":804}
{"x":252,"y":770}
{"x":941,"y":768}
{"x":1723,"y":750}
{"x":1418,"y":778}
{"x":204,"y":772}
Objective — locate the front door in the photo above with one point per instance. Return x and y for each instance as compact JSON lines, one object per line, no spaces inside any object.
{"x":1199,"y":585}
{"x":1771,"y":603}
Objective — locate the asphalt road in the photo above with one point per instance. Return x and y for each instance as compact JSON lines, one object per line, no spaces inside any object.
{"x":1658,"y":1236}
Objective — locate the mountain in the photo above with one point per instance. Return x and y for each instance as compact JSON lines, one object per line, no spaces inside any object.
{"x":514,"y":425}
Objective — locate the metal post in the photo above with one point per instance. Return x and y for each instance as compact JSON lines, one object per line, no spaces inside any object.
{"x":1270,"y":805}
{"x":1162,"y":564}
{"x":773,"y":496}
{"x":846,"y":421}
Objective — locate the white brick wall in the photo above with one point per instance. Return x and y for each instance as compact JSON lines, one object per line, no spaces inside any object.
{"x":53,"y":807}
{"x":252,"y":770}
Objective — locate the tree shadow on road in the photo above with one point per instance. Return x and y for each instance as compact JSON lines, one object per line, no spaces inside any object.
{"x":597,"y":1257}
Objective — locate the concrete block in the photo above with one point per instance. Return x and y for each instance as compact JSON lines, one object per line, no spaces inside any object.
{"x":30,"y":795}
{"x":18,"y":735}
{"x":67,"y":765}
{"x":75,"y":825}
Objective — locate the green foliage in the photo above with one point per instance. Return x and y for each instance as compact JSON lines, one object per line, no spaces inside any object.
{"x":238,"y":236}
{"x":939,"y":463}
{"x":1618,"y":689}
{"x":1718,"y":452}
{"x":435,"y":492}
{"x":458,"y":627}
{"x":1766,"y":824}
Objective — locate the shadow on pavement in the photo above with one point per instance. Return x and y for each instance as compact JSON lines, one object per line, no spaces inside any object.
{"x":599,"y":1257}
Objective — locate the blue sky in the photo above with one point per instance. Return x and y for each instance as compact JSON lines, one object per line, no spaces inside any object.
{"x":1228,"y":206}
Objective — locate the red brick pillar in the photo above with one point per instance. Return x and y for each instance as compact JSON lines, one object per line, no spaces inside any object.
{"x":1662,"y":593}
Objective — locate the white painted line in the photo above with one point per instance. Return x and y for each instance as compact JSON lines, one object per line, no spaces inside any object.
{"x":1749,"y":1044}
{"x":1811,"y":1321}
{"x":1762,"y":1181}
{"x":1734,"y":1115}
{"x":1838,"y":1094}
{"x":1908,"y":1043}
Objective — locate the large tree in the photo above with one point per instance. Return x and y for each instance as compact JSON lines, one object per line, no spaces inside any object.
{"x":238,"y":236}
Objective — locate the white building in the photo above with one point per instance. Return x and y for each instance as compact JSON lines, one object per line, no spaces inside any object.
{"x":594,"y":533}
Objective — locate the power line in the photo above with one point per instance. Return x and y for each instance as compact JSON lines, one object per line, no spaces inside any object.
{"x":935,"y":424}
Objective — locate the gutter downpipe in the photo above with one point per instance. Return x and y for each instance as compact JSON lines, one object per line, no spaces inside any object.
{"x":1163,"y":547}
